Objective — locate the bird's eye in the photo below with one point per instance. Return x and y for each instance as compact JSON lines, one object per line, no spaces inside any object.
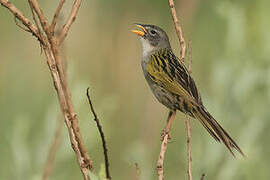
{"x":153,"y":32}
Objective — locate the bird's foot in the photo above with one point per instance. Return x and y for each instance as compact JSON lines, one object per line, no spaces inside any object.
{"x":164,"y":133}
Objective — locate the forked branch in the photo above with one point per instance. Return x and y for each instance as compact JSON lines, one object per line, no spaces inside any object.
{"x":19,"y":15}
{"x":50,"y":46}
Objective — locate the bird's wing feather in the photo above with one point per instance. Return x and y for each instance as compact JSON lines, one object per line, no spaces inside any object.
{"x":166,"y":70}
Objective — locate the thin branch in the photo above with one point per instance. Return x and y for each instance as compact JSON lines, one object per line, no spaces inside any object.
{"x":20,"y":26}
{"x":37,"y":24}
{"x":105,"y":150}
{"x":178,"y":30}
{"x":164,"y":145}
{"x":52,"y":151}
{"x":187,"y":122}
{"x":202,"y":177}
{"x":43,"y":20}
{"x":160,"y":163}
{"x":83,"y":159}
{"x":189,"y":56}
{"x":72,"y":16}
{"x":71,"y":118}
{"x":54,"y":61}
{"x":34,"y":17}
{"x":56,"y":14}
{"x":57,"y":137}
{"x":137,"y":175}
{"x":179,"y":33}
{"x":19,"y":15}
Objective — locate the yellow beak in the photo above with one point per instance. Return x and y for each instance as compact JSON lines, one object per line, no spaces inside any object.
{"x":140,"y":33}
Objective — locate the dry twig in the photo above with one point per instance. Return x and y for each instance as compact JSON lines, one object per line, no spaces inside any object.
{"x":164,"y":145}
{"x":179,"y":33}
{"x":187,"y":122}
{"x":50,"y":46}
{"x":71,"y":19}
{"x":20,"y":26}
{"x":57,"y":137}
{"x":202,"y":177}
{"x":137,"y":175}
{"x":56,"y":14}
{"x":105,"y":150}
{"x":189,"y":56}
{"x":19,"y":15}
{"x":178,"y":29}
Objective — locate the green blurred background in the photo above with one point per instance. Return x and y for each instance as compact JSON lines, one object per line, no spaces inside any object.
{"x":230,"y":44}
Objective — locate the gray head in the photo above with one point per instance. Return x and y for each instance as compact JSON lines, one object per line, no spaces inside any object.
{"x":152,"y":37}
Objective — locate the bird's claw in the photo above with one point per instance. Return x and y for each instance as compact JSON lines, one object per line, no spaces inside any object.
{"x":163,"y":134}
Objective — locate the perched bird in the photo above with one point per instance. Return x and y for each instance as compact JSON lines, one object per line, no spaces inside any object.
{"x":172,"y":84}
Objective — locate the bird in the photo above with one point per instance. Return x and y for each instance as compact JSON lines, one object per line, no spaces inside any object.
{"x":172,"y":84}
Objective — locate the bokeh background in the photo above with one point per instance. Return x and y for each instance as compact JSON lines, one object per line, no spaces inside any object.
{"x":230,"y":53}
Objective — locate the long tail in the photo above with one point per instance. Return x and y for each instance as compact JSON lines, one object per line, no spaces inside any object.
{"x":215,"y":129}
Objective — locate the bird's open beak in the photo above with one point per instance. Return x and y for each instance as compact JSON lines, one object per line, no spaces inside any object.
{"x":138,"y":32}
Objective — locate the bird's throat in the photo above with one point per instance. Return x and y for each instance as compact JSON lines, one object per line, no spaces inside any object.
{"x":147,"y":48}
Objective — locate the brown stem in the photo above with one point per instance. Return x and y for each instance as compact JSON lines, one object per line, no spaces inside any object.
{"x":189,"y":56}
{"x":202,"y":177}
{"x":179,"y":31}
{"x":164,"y":145}
{"x":19,"y":15}
{"x":105,"y":150}
{"x":57,"y":137}
{"x":20,"y":26}
{"x":56,"y":14}
{"x":187,"y":122}
{"x":70,"y":20}
{"x":137,"y":175}
{"x":76,"y":142}
{"x":71,"y":116}
{"x":54,"y":61}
